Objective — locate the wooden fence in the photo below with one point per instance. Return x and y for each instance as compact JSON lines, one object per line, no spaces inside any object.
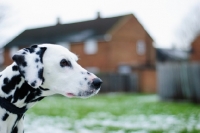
{"x":113,"y":82}
{"x":179,"y":81}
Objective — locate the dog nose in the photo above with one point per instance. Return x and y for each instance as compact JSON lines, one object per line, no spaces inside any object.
{"x":96,"y":83}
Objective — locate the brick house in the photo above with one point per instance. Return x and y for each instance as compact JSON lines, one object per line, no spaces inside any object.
{"x":116,"y":44}
{"x":195,"y":50}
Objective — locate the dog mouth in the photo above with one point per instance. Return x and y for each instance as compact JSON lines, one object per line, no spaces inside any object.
{"x":83,"y":94}
{"x":70,"y":95}
{"x":89,"y":93}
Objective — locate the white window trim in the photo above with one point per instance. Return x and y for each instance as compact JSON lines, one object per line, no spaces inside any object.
{"x":91,"y":47}
{"x":141,"y":47}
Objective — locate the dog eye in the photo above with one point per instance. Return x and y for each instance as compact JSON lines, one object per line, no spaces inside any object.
{"x":64,"y":63}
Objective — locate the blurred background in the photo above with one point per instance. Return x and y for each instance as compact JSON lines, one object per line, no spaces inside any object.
{"x":146,"y":52}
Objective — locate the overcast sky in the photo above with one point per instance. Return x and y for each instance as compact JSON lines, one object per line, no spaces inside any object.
{"x":159,"y":17}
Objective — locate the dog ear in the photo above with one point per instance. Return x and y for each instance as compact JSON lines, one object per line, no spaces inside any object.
{"x":30,"y":64}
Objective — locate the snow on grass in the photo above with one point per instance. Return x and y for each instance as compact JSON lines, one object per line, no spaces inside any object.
{"x":112,"y":113}
{"x":107,"y":123}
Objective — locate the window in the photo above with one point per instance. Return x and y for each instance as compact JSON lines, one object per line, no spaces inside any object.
{"x":12,"y":51}
{"x":124,"y":69}
{"x":90,"y":47}
{"x":140,"y":47}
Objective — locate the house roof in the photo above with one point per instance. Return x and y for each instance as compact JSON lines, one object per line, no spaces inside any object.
{"x":171,"y":55}
{"x":72,"y":32}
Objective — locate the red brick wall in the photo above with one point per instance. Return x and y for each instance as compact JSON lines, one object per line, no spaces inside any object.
{"x":148,"y":82}
{"x":123,"y":45}
{"x":7,"y":59}
{"x":121,"y":48}
{"x":195,"y":55}
{"x":99,"y":59}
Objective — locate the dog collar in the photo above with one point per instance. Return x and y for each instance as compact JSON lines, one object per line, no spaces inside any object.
{"x":11,"y":107}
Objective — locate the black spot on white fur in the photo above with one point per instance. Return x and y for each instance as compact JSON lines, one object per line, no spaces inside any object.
{"x":15,"y":130}
{"x":8,"y":84}
{"x":33,"y":83}
{"x":4,"y":118}
{"x":27,"y":93}
{"x":44,"y":89}
{"x":37,"y":60}
{"x":20,"y":59}
{"x":40,"y":74}
{"x":88,"y":73}
{"x":15,"y":68}
{"x":30,"y":50}
{"x":5,"y":81}
{"x":34,"y":46}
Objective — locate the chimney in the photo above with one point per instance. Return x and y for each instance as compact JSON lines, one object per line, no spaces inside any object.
{"x":98,"y":15}
{"x":58,"y":21}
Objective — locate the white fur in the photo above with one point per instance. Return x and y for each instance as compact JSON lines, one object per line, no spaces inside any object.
{"x":64,"y":80}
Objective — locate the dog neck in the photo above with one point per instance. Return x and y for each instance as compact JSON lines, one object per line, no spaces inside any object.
{"x":17,"y":91}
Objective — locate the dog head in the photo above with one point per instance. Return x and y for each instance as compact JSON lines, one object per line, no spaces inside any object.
{"x":56,"y":68}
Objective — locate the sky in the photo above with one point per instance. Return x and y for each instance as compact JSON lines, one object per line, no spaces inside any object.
{"x":159,"y":17}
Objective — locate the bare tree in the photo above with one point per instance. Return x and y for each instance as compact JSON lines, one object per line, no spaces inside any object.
{"x":189,"y":28}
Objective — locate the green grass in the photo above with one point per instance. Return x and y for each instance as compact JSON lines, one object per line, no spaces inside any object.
{"x":119,"y":107}
{"x":116,"y":104}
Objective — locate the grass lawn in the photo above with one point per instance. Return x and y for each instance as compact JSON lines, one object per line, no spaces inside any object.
{"x":112,"y":113}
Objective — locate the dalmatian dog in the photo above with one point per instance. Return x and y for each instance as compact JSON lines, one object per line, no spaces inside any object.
{"x":37,"y":72}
